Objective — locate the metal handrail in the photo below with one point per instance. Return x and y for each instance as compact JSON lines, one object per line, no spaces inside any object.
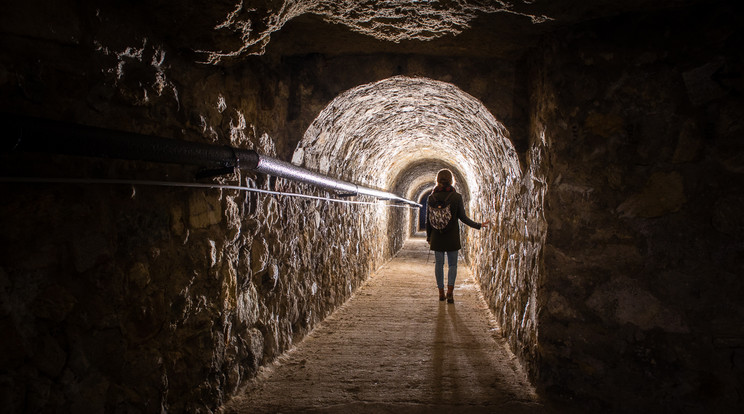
{"x":26,"y":134}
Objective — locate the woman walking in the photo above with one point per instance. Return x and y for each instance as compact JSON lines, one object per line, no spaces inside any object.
{"x":443,"y":213}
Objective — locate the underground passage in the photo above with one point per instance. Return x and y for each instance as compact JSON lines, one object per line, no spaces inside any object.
{"x":222,"y":206}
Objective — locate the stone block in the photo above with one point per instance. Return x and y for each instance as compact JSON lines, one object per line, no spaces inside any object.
{"x":176,"y":220}
{"x":254,"y":343}
{"x":204,"y":210}
{"x":259,"y":255}
{"x":559,"y":307}
{"x":139,"y":276}
{"x":701,"y":87}
{"x":12,"y":347}
{"x":689,"y":143}
{"x":53,"y":303}
{"x":247,"y":309}
{"x":93,"y":391}
{"x":727,"y":215}
{"x":604,"y":125}
{"x":145,"y":318}
{"x":90,"y":249}
{"x":662,"y":194}
{"x":48,"y":356}
{"x":622,"y":300}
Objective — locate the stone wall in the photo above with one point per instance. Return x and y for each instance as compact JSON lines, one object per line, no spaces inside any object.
{"x":612,"y":266}
{"x":138,"y":298}
{"x":148,"y":297}
{"x":640,"y":305}
{"x":372,"y":129}
{"x":507,"y":259}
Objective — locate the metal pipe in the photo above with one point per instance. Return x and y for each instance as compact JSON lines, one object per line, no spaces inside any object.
{"x":39,"y":135}
{"x":277,"y":168}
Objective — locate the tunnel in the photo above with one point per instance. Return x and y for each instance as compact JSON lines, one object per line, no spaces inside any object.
{"x":398,"y":132}
{"x":196,"y":195}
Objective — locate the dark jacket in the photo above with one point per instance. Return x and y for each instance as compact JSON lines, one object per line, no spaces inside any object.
{"x":449,"y":239}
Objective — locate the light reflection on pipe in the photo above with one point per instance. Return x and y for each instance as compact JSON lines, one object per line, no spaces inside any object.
{"x":277,"y":168}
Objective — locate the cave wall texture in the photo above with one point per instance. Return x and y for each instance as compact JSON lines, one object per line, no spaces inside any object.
{"x":136,"y":298}
{"x":643,"y":261}
{"x":621,"y":292}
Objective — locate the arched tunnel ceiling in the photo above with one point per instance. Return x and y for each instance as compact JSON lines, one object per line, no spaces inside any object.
{"x":372,"y":133}
{"x":234,"y":28}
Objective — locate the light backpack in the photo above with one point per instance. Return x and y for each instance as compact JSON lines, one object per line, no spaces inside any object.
{"x":439,"y":213}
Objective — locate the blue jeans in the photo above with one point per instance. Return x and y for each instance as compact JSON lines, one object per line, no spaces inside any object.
{"x":439,"y":268}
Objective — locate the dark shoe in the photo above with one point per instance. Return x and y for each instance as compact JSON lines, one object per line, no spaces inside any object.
{"x":441,"y":293}
{"x":450,"y":296}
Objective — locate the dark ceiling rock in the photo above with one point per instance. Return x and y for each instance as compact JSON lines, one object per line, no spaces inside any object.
{"x":226,"y":29}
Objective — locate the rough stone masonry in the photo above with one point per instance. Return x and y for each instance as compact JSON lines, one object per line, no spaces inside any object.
{"x":613,"y":272}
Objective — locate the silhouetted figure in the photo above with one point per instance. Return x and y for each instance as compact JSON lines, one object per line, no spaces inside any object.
{"x":444,"y":211}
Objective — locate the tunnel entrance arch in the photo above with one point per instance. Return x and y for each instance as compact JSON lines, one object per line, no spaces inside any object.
{"x":375,"y":130}
{"x":384,"y":134}
{"x":395,"y":134}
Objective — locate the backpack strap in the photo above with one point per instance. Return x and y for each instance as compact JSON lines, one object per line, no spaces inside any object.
{"x":448,"y":197}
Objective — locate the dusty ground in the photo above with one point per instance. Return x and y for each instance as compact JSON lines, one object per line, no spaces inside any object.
{"x":394,"y":347}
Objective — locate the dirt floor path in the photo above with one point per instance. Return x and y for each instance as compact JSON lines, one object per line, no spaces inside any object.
{"x":394,"y":347}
